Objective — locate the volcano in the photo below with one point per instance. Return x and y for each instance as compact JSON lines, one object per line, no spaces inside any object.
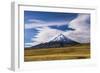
{"x":56,"y":42}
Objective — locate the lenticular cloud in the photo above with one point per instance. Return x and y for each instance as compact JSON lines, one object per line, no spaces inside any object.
{"x":81,"y":25}
{"x":45,"y":34}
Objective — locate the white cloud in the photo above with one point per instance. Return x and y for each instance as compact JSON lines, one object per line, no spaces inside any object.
{"x":82,"y":29}
{"x":45,"y":34}
{"x":30,"y":44}
{"x":39,"y":23}
{"x":80,"y":22}
{"x":35,"y":21}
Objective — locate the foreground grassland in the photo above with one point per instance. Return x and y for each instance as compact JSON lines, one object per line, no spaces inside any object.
{"x":81,"y":51}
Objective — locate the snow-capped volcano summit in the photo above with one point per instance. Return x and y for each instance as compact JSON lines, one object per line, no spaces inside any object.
{"x":61,"y":38}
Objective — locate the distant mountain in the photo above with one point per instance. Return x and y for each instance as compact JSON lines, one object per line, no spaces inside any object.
{"x":62,"y":38}
{"x":57,"y":41}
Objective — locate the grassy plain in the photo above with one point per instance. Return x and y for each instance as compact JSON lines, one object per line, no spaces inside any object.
{"x":80,"y":51}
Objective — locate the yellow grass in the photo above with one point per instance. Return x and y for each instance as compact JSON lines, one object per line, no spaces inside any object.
{"x":73,"y":52}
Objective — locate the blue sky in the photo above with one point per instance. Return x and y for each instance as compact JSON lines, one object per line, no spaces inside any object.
{"x":37,"y":22}
{"x":48,"y":16}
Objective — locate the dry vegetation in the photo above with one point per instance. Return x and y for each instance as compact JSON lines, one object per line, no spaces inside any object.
{"x":81,"y":51}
